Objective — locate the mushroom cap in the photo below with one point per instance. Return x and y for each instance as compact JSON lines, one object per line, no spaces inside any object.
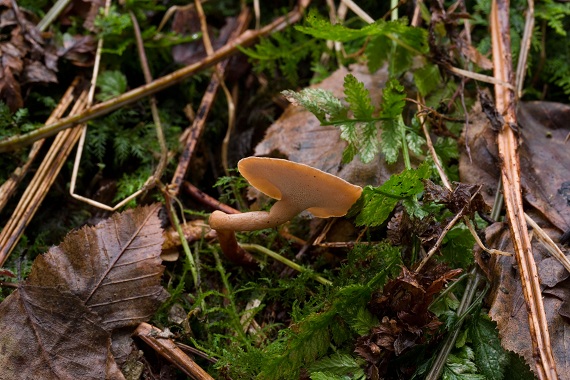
{"x":322,"y":194}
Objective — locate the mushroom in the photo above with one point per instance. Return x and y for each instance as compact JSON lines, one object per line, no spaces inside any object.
{"x":297,"y":187}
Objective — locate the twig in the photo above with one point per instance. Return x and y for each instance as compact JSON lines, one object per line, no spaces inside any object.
{"x":204,"y":198}
{"x":245,"y":39}
{"x":525,"y":48}
{"x":550,"y":246}
{"x":168,"y":349}
{"x":507,"y":142}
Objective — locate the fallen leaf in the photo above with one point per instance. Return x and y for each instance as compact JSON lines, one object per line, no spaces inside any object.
{"x":24,"y":56}
{"x":544,"y":155}
{"x":507,"y":304}
{"x":99,"y":280}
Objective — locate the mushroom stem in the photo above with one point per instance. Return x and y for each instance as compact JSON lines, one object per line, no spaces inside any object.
{"x":280,"y":213}
{"x":232,"y":250}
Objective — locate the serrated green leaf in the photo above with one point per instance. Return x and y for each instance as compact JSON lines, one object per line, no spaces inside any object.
{"x":415,"y":143}
{"x":358,"y":98}
{"x":490,"y":357}
{"x":111,"y":84}
{"x":461,"y":366}
{"x":336,"y":364}
{"x":378,"y":51}
{"x":427,"y":78}
{"x":326,"y":376}
{"x":363,"y":321}
{"x":379,"y":202}
{"x":393,"y":100}
{"x":321,"y":103}
{"x":320,"y":27}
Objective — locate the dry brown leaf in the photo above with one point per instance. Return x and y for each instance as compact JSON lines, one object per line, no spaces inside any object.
{"x":98,"y":280}
{"x":507,"y":305}
{"x":24,"y":57}
{"x":544,"y":155}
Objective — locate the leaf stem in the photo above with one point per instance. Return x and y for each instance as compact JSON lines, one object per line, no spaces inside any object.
{"x":405,"y":151}
{"x":281,"y":259}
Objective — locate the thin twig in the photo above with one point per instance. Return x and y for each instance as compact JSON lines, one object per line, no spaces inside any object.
{"x":525,"y":48}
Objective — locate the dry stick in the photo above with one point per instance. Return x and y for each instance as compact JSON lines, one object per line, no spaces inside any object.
{"x":229,"y":98}
{"x":204,"y":198}
{"x":7,"y":189}
{"x":168,"y":349}
{"x":200,"y":121}
{"x":507,"y":142}
{"x":40,"y":184}
{"x":245,"y":39}
{"x":550,"y":246}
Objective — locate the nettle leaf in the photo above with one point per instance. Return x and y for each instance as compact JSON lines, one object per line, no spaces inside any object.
{"x":490,"y":357}
{"x":393,"y":128}
{"x":427,"y":78}
{"x":461,"y":366}
{"x":379,"y":202}
{"x":320,"y":27}
{"x":378,"y":51}
{"x":336,"y":365}
{"x":321,"y":103}
{"x":358,"y":97}
{"x":111,"y":84}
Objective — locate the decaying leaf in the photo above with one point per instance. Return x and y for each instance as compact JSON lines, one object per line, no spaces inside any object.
{"x":544,"y":156}
{"x":100,"y":279}
{"x":24,"y":56}
{"x":507,"y":301}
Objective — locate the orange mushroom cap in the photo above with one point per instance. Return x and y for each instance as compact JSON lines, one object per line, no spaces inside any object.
{"x":297,"y":187}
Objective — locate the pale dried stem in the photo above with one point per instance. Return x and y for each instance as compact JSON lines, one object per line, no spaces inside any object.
{"x":550,"y":245}
{"x":525,"y":48}
{"x":507,"y":142}
{"x":41,"y":182}
{"x":222,"y":83}
{"x":9,"y":187}
{"x":245,"y":39}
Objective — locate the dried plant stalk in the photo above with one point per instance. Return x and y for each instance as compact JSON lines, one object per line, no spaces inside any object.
{"x":507,"y":141}
{"x":40,"y":184}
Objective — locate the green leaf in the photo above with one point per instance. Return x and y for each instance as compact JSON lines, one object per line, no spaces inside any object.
{"x":490,"y":356}
{"x":321,"y":103}
{"x":111,"y":84}
{"x":427,"y":78}
{"x":415,"y":142}
{"x":461,"y":366}
{"x":337,"y":365}
{"x":320,"y":27}
{"x":358,"y":97}
{"x":378,"y":51}
{"x":379,"y":202}
{"x":393,"y":128}
{"x":363,"y":322}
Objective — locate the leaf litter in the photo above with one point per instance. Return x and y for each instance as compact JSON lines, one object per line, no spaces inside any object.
{"x":99,"y":280}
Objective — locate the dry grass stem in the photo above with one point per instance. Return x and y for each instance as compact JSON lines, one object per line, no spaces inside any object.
{"x":508,"y":143}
